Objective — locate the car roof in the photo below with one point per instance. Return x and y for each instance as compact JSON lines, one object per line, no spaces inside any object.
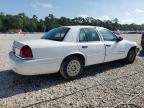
{"x":81,"y":26}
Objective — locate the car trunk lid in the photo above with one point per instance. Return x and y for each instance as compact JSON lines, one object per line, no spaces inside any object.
{"x":35,"y":45}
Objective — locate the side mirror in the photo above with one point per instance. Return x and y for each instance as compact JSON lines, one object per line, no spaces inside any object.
{"x":119,"y":39}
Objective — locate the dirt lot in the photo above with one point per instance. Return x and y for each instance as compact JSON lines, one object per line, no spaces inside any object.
{"x":101,"y":86}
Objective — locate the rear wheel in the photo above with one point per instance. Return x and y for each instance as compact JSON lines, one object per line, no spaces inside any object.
{"x":71,"y":67}
{"x":131,"y":56}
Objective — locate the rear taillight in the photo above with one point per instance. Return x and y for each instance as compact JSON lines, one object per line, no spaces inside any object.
{"x":26,"y":52}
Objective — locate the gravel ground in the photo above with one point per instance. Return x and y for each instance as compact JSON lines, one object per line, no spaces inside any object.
{"x":101,"y":86}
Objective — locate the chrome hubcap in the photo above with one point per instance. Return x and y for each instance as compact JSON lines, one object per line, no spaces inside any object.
{"x":73,"y":68}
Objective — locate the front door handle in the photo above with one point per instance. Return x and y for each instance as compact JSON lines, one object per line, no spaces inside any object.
{"x":84,"y":46}
{"x":108,"y":45}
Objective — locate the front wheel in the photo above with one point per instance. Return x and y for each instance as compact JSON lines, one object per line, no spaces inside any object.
{"x":131,"y":56}
{"x":71,"y":68}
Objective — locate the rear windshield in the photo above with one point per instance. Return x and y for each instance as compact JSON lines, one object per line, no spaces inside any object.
{"x":56,"y":34}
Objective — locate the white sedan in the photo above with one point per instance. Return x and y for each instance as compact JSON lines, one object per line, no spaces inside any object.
{"x":68,"y":50}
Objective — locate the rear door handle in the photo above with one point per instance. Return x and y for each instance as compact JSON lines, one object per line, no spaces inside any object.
{"x":108,"y":45}
{"x":84,"y":46}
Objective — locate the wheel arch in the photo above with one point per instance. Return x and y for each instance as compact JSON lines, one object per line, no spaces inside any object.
{"x":80,"y":55}
{"x":130,"y":48}
{"x":133,"y":47}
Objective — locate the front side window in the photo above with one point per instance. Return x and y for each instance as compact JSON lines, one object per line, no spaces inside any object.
{"x":56,"y":34}
{"x":88,"y":34}
{"x":107,"y":35}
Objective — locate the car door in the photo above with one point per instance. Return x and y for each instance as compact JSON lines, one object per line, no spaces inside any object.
{"x":114,"y":49}
{"x":90,"y":44}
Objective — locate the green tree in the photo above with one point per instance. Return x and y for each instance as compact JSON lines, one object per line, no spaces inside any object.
{"x":1,"y":25}
{"x":65,"y":21}
{"x":34,"y":23}
{"x":115,"y":24}
{"x":41,"y":26}
{"x":27,"y":24}
{"x":51,"y":22}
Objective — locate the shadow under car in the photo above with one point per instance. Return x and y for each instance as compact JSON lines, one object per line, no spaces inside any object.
{"x":13,"y":84}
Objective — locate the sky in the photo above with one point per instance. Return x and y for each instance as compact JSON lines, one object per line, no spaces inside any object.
{"x":127,"y":11}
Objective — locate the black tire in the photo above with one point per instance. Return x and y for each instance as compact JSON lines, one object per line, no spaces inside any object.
{"x":131,"y":56}
{"x":71,"y":67}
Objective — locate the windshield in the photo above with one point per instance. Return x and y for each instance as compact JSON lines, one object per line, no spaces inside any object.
{"x":56,"y":34}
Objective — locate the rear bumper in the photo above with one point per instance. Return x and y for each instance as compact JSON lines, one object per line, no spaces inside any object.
{"x":33,"y":67}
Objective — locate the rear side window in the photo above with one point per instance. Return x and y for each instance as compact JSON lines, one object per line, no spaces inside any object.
{"x":88,"y":34}
{"x":56,"y":34}
{"x":82,"y":36}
